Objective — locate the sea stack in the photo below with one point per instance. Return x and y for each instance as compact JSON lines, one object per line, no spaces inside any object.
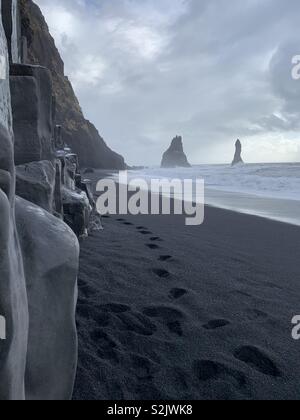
{"x":175,"y":157}
{"x":238,"y":154}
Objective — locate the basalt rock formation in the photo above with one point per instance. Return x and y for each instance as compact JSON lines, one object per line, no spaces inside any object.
{"x":45,"y":205}
{"x":31,"y":94}
{"x":238,"y":154}
{"x":77,"y":132}
{"x":36,"y":183}
{"x":50,"y":266}
{"x":175,"y":157}
{"x":13,"y":296}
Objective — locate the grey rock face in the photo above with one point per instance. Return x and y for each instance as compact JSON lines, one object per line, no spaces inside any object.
{"x":238,"y":154}
{"x":12,"y":27}
{"x":77,"y":211}
{"x":58,"y":140}
{"x":77,"y":202}
{"x":31,"y":95}
{"x":38,"y":252}
{"x":13,"y":298}
{"x":77,"y":132}
{"x":51,"y":265}
{"x":36,"y":183}
{"x":175,"y":157}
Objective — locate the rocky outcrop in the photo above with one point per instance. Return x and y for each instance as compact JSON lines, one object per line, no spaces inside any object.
{"x":77,"y":211}
{"x":238,"y":154}
{"x":12,"y":27}
{"x":31,"y":95}
{"x":39,"y":253}
{"x":77,"y":132}
{"x":13,"y":296}
{"x":51,"y":266}
{"x":36,"y":183}
{"x":175,"y":157}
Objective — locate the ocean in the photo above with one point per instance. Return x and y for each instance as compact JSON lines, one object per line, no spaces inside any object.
{"x":266,"y":190}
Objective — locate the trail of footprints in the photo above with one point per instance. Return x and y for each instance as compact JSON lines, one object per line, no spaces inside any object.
{"x":145,"y":323}
{"x":153,"y":246}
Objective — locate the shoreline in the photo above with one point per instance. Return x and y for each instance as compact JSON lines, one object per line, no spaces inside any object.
{"x":280,"y":210}
{"x":276,"y":209}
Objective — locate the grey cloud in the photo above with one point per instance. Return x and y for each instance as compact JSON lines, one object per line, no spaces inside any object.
{"x":210,"y":70}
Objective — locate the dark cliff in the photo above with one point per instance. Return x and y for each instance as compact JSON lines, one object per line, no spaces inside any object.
{"x":78,"y":133}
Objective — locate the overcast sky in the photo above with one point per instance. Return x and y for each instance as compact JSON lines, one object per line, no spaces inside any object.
{"x":209,"y":70}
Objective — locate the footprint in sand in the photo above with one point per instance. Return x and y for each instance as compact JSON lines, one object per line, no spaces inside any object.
{"x":101,"y":337}
{"x":166,"y":312}
{"x":115,"y":308}
{"x":156,"y":239}
{"x":87,"y":291}
{"x":207,"y":370}
{"x":121,"y":220}
{"x":137,"y":323}
{"x":164,"y":258}
{"x":106,"y":345}
{"x":175,"y":328}
{"x":145,"y":232}
{"x":256,"y":359}
{"x":256,"y":314}
{"x":163,"y":274}
{"x":216,"y":323}
{"x":177,"y":293}
{"x":143,"y":367}
{"x":102,"y":315}
{"x":82,"y":301}
{"x":170,"y":317}
{"x":141,"y":228}
{"x":86,"y":311}
{"x":128,"y":224}
{"x":103,"y":319}
{"x":152,"y":246}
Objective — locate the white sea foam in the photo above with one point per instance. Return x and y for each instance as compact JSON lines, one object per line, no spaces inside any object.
{"x":268,"y":190}
{"x":264,"y":180}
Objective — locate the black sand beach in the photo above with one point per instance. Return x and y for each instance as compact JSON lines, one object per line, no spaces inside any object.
{"x":169,"y":312}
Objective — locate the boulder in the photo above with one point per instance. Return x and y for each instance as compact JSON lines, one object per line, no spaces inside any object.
{"x":36,"y":183}
{"x":31,"y":96}
{"x":79,"y":208}
{"x":238,"y":154}
{"x":95,"y":223}
{"x":77,"y":211}
{"x":50,"y":256}
{"x":175,"y":157}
